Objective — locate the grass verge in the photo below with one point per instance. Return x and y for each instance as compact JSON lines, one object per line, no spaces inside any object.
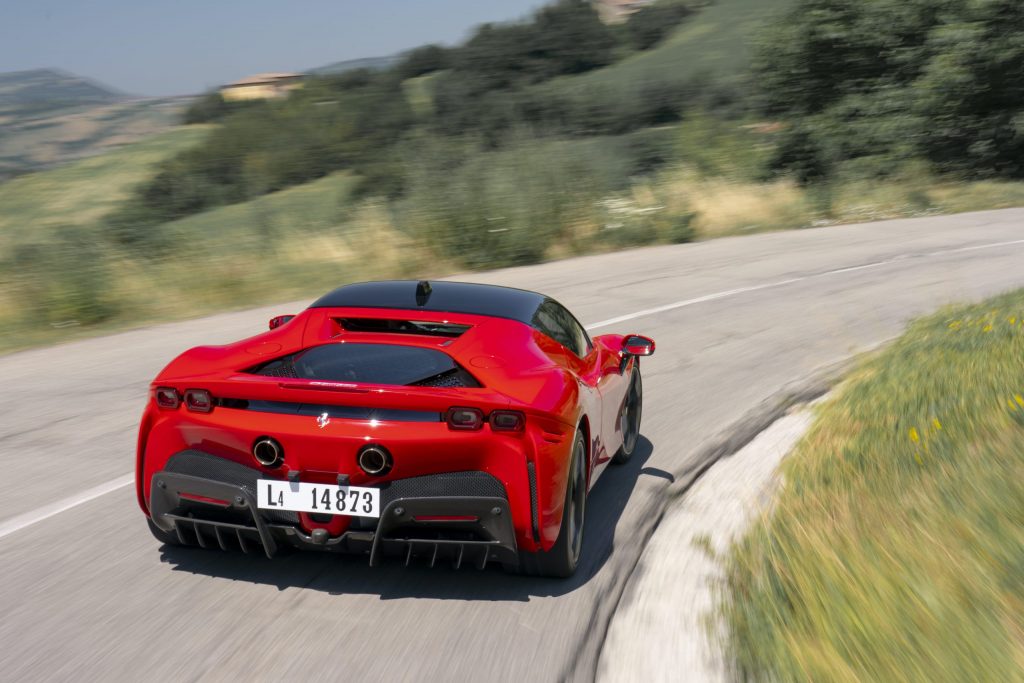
{"x":895,"y":550}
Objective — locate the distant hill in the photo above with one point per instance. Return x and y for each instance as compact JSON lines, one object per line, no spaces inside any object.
{"x":48,"y":89}
{"x":373,"y":63}
{"x":49,"y":117}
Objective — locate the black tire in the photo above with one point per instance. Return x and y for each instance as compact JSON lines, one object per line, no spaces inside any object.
{"x":632,"y":411}
{"x":563,"y":558}
{"x":165,"y":537}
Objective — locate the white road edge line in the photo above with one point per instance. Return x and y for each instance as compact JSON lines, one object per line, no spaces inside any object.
{"x":780,"y":283}
{"x":29,"y":518}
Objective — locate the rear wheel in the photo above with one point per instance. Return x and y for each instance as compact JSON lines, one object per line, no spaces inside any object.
{"x":165,"y":537}
{"x":629,"y":421}
{"x":561,"y":561}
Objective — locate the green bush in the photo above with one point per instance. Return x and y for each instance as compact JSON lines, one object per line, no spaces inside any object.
{"x":211,"y":107}
{"x":335,"y":122}
{"x":895,"y":80}
{"x":489,"y":209}
{"x":60,"y":276}
{"x":424,"y":60}
{"x":652,"y":23}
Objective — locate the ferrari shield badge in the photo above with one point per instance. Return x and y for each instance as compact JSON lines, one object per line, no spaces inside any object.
{"x":322,"y":420}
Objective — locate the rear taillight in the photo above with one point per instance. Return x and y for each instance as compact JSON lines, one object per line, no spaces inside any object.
{"x":198,"y":400}
{"x":167,"y":398}
{"x":507,"y":421}
{"x":466,"y":419}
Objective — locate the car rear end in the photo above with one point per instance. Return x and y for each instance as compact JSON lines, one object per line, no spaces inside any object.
{"x":376,"y":443}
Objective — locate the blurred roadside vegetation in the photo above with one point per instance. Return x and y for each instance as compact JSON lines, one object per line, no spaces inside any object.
{"x":895,"y":549}
{"x":534,"y":140}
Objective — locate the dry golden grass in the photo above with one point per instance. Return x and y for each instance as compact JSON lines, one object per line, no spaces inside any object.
{"x":724,"y":206}
{"x":730,"y":208}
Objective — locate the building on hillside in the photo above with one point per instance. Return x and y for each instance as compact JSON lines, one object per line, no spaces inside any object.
{"x":615,"y":11}
{"x":262,"y":87}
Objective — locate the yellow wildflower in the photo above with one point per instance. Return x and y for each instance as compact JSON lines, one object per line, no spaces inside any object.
{"x":987,"y":328}
{"x":914,"y":436}
{"x":1019,"y":399}
{"x":936,"y":424}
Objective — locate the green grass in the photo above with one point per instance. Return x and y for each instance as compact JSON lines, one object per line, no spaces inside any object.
{"x":83,"y":191}
{"x":895,"y":550}
{"x":716,"y":43}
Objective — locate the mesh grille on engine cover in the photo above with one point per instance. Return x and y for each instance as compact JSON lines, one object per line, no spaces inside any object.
{"x":206,"y":466}
{"x":444,"y":381}
{"x":284,"y":369}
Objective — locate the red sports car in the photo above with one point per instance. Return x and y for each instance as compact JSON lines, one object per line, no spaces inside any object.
{"x":435,"y":420}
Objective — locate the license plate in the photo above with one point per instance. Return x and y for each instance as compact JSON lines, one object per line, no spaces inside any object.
{"x":326,"y":499}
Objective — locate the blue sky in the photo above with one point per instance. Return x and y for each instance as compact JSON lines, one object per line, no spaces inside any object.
{"x":170,"y":47}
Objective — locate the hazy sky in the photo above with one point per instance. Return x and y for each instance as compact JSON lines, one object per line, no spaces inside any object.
{"x":168,"y":47}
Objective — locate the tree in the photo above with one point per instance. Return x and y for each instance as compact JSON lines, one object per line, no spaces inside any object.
{"x":893,"y":79}
{"x":424,"y":60}
{"x":647,"y":27}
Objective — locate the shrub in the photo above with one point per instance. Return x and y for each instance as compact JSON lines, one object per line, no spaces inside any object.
{"x":335,"y":122}
{"x":898,"y":79}
{"x":649,"y":26}
{"x":424,"y":60}
{"x":61,"y":276}
{"x":211,"y":107}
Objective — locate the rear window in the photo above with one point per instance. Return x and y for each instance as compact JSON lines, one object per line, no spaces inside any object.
{"x":371,"y":364}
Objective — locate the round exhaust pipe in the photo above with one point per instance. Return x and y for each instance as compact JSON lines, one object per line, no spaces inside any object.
{"x":268,"y":452}
{"x":375,"y":460}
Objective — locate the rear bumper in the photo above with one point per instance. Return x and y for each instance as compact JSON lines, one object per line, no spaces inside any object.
{"x":211,"y":502}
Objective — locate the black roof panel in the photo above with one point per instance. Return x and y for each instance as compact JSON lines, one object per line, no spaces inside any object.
{"x":443,"y":297}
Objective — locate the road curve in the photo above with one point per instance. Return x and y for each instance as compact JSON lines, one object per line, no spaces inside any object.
{"x":88,"y":594}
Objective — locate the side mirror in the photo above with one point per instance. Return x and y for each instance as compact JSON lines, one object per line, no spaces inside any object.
{"x":276,"y":322}
{"x":637,"y":345}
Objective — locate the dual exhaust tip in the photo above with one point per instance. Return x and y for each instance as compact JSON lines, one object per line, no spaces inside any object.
{"x":268,"y":452}
{"x":373,"y":459}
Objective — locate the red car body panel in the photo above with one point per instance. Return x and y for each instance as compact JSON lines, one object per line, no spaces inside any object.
{"x":518,"y":367}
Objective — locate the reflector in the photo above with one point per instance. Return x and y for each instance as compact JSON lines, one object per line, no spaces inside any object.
{"x":167,"y":398}
{"x":507,"y":421}
{"x":468,"y":419}
{"x":198,"y":400}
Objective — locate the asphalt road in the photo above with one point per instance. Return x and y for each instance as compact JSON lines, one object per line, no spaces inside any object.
{"x":88,"y":594}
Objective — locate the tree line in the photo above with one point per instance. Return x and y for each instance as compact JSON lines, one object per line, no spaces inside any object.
{"x":866,"y":87}
{"x":859,"y":89}
{"x":487,"y":89}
